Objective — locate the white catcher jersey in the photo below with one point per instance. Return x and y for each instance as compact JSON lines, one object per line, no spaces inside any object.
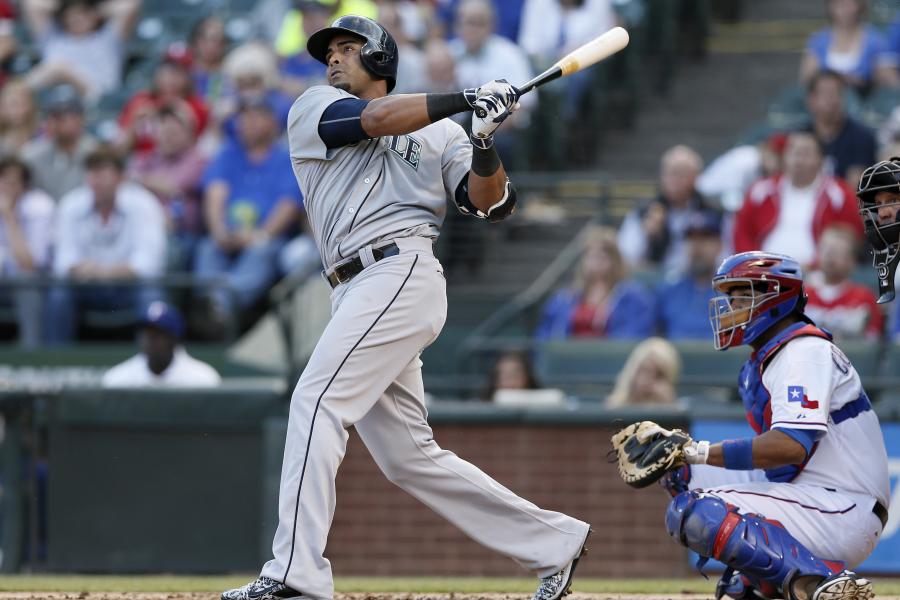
{"x":376,"y":189}
{"x":809,"y":379}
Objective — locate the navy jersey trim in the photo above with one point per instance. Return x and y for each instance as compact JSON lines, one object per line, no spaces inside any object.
{"x":341,"y":123}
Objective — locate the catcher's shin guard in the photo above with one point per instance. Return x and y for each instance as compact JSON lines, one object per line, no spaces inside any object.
{"x":762,"y":550}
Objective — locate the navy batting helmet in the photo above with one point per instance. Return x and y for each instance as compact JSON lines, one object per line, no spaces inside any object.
{"x":379,"y":53}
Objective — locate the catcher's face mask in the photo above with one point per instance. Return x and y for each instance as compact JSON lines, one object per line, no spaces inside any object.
{"x":879,"y":207}
{"x":737,"y":305}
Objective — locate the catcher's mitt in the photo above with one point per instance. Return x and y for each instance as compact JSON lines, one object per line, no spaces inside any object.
{"x":645,"y":452}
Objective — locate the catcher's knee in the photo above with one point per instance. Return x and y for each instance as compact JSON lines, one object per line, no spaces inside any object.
{"x":695,"y":519}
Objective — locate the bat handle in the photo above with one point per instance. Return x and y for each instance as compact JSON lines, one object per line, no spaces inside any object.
{"x":527,"y":87}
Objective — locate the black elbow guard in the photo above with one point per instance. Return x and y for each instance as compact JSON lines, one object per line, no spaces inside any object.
{"x":499,"y":211}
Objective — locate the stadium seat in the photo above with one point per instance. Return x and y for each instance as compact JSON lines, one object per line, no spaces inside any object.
{"x":879,"y":106}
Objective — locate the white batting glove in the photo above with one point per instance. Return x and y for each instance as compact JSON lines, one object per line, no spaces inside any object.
{"x":495,"y":102}
{"x":500,"y":88}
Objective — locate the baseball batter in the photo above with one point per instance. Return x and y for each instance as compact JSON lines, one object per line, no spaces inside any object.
{"x":376,"y":172}
{"x":790,"y":510}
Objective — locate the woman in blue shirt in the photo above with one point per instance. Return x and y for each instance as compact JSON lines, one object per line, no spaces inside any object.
{"x":601,"y":302}
{"x":851,"y":47}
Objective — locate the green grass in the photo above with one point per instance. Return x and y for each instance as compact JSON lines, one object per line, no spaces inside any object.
{"x":460,"y":585}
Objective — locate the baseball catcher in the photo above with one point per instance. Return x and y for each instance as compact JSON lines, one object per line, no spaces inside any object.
{"x":790,"y":510}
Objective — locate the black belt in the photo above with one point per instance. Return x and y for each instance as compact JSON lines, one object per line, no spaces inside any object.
{"x":880,"y":512}
{"x":347,"y":270}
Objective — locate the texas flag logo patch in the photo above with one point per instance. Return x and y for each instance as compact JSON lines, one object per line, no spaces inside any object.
{"x":797,"y":393}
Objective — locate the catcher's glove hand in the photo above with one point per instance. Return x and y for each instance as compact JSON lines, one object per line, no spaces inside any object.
{"x":645,"y":452}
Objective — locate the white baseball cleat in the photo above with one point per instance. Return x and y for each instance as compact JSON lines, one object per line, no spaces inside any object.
{"x":559,"y":584}
{"x":845,"y":585}
{"x":262,"y":588}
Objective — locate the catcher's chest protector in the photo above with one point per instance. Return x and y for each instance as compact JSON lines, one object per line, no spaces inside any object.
{"x":754,"y":394}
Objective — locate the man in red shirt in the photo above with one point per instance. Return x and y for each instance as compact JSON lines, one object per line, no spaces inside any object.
{"x":787,"y":213}
{"x":845,"y":308}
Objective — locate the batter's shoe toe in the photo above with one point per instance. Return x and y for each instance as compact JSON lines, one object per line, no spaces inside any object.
{"x":845,"y":585}
{"x":263,"y":588}
{"x":559,"y":584}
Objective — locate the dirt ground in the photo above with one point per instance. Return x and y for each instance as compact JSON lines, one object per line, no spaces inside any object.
{"x":206,"y":596}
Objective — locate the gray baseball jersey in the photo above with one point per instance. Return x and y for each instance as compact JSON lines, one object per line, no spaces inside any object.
{"x":376,"y":189}
{"x":365,"y":370}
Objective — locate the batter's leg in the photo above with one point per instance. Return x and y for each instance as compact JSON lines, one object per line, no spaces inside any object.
{"x":377,"y":328}
{"x":400,"y":440}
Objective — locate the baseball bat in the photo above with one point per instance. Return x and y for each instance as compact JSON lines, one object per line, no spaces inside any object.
{"x":599,"y":48}
{"x":602,"y":46}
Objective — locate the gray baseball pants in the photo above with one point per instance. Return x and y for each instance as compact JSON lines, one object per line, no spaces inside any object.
{"x":365,"y":372}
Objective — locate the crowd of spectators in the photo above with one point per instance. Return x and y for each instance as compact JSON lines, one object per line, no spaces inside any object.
{"x":121,"y":167}
{"x":191,"y":174}
{"x":791,"y":192}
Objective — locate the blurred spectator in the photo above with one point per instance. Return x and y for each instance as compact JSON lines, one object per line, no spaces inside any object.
{"x":553,"y":28}
{"x":172,"y":85}
{"x":482,"y":55}
{"x":251,"y":71}
{"x":251,"y":202}
{"x":109,"y":232}
{"x":730,"y":175}
{"x":300,"y":71}
{"x":649,"y":376}
{"x":26,"y":239}
{"x":411,"y":75}
{"x":57,"y":158}
{"x":18,"y":116}
{"x":440,"y":68}
{"x":788,"y":213}
{"x":601,"y":302}
{"x":845,"y":308}
{"x":8,"y":43}
{"x":281,"y":21}
{"x":82,"y":42}
{"x":893,"y":43}
{"x":172,"y":171}
{"x":849,"y":145}
{"x":654,"y":234}
{"x":209,"y":43}
{"x":161,"y":361}
{"x":683,"y":303}
{"x":508,"y":17}
{"x":511,"y":371}
{"x":851,"y":47}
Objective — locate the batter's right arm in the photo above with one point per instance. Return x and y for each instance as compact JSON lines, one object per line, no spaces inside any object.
{"x":405,"y":113}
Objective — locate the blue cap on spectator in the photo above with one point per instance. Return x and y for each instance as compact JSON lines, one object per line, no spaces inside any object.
{"x":704,"y":221}
{"x":63,"y":99}
{"x":165,"y":317}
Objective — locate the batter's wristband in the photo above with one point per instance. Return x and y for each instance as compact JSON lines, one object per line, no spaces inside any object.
{"x":441,"y":106}
{"x":738,"y":454}
{"x":485,"y":161}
